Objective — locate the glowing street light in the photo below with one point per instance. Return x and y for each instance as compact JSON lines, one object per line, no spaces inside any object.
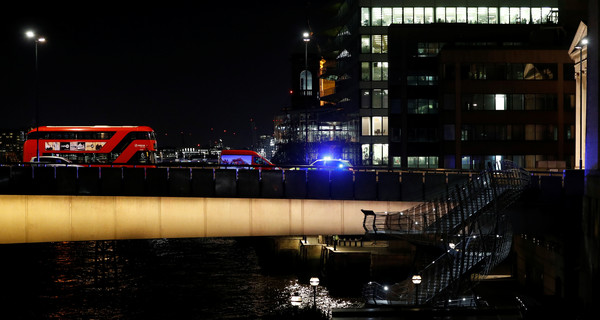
{"x":314,"y":282}
{"x":37,"y":39}
{"x":296,"y":299}
{"x":416,"y":280}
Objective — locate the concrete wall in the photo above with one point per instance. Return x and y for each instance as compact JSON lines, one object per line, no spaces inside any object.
{"x":45,"y":218}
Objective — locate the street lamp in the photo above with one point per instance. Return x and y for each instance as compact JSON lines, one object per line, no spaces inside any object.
{"x":306,"y":38}
{"x":314,"y":282}
{"x":579,"y":47}
{"x":37,"y":39}
{"x":416,"y":280}
{"x":296,"y":299}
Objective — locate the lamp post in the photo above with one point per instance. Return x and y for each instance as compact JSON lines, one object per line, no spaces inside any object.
{"x":416,"y":280}
{"x":579,"y":47}
{"x":314,"y":282}
{"x":306,"y":38}
{"x":296,"y":299}
{"x":37,"y":39}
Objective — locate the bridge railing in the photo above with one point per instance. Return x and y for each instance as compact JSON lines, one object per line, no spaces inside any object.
{"x":470,"y":228}
{"x":368,"y":184}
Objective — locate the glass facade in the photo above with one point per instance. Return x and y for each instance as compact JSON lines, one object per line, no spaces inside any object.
{"x":385,"y":16}
{"x":375,"y":70}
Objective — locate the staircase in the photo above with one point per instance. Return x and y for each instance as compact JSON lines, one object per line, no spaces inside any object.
{"x":467,"y":224}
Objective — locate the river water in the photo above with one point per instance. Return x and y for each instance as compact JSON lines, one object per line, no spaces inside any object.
{"x":204,"y":278}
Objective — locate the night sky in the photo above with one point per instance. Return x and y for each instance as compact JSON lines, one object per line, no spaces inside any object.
{"x":172,"y":66}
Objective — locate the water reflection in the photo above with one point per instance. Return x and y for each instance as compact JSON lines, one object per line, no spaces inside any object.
{"x":149,"y":279}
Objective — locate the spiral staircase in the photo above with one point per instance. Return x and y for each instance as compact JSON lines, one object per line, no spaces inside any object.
{"x":465,"y":228}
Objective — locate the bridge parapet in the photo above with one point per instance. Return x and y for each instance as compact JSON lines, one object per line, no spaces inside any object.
{"x":242,"y":183}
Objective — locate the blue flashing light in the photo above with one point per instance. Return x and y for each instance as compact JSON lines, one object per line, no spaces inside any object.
{"x":327,"y":158}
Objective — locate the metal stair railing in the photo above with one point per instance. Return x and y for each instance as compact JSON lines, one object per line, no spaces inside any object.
{"x":470,"y":224}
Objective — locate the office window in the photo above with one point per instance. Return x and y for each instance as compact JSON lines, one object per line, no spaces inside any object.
{"x":379,"y":125}
{"x":428,"y":15}
{"x":471,"y":15}
{"x":536,"y":15}
{"x":419,"y":15}
{"x":386,"y":16}
{"x":380,"y":98}
{"x":379,"y":71}
{"x":366,"y":154}
{"x":525,"y":15}
{"x":365,"y":101}
{"x":482,"y":15}
{"x":380,"y":154}
{"x":500,"y":102}
{"x":440,"y":14}
{"x":365,"y":71}
{"x":461,"y":15}
{"x":515,"y":16}
{"x":545,"y":13}
{"x":466,"y":162}
{"x":422,"y":106}
{"x":451,"y":15}
{"x":366,"y":126}
{"x":493,"y":15}
{"x":423,"y":162}
{"x":376,"y":18}
{"x":380,"y":43}
{"x":421,"y":80}
{"x":397,"y":161}
{"x":504,"y":15}
{"x":397,"y":15}
{"x":365,"y":44}
{"x":408,"y":15}
{"x":365,"y":17}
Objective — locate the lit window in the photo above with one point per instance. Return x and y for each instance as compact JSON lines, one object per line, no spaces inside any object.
{"x":408,"y":15}
{"x":461,"y":15}
{"x":387,"y":16}
{"x":451,"y":15}
{"x":504,"y":15}
{"x":472,"y":15}
{"x":365,"y":20}
{"x":419,"y":15}
{"x":397,"y":15}
{"x":376,"y":17}
{"x":306,"y":82}
{"x":365,"y":44}
{"x":500,"y":101}
{"x":366,"y":126}
{"x":440,"y":14}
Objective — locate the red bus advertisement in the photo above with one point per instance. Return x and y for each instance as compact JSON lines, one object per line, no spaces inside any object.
{"x":93,"y":145}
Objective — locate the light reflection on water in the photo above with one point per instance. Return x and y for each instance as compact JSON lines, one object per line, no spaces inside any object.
{"x":148,"y":279}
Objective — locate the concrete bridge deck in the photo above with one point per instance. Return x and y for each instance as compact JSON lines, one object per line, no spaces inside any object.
{"x":47,"y":218}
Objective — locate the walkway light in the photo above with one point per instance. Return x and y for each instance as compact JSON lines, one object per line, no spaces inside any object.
{"x":416,"y":280}
{"x":296,"y":299}
{"x":314,"y":282}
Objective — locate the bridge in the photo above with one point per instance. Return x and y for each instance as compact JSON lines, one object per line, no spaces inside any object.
{"x":44,"y":204}
{"x":456,"y":218}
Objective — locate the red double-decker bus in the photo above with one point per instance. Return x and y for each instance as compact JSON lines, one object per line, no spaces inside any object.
{"x":93,"y":145}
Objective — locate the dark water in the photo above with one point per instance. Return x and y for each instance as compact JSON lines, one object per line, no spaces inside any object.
{"x":149,"y":279}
